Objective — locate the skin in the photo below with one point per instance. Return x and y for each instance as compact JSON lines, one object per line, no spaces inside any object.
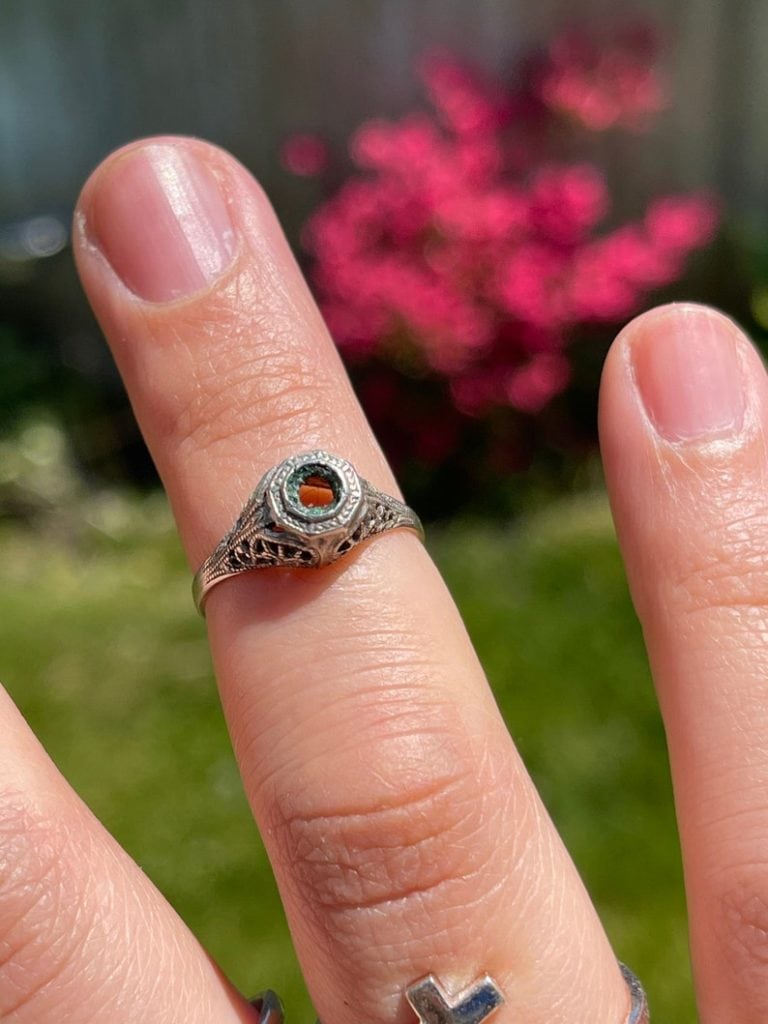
{"x":405,"y":834}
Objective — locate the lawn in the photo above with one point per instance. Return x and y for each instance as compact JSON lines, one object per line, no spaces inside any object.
{"x":102,"y":649}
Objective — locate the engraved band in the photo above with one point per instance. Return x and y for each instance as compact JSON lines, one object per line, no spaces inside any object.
{"x":306,"y":512}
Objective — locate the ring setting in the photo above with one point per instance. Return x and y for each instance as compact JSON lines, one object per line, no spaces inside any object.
{"x":315,"y":494}
{"x":306,"y":512}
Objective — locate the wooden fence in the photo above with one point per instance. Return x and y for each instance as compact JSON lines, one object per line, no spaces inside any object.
{"x":79,"y":77}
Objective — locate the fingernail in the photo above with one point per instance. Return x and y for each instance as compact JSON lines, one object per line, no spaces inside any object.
{"x":689,"y":374}
{"x":160,"y":219}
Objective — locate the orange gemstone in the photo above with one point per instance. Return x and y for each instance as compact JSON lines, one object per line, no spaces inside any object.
{"x":315,"y":492}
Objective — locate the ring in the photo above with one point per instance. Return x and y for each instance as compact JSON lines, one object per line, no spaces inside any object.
{"x":269,"y":1007}
{"x":305,"y":513}
{"x":639,"y":1012}
{"x":431,"y":1005}
{"x":429,"y":1002}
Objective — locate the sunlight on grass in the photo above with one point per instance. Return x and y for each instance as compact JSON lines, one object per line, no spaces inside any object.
{"x":101,"y":648}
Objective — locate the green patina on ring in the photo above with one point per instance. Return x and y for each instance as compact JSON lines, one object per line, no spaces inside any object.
{"x":299,"y":477}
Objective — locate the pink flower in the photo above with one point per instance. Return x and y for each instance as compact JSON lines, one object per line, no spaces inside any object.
{"x":467,"y":103}
{"x":532,"y":285}
{"x":460,"y":250}
{"x":304,"y":154}
{"x":598,"y":289}
{"x":567,"y":202}
{"x":532,"y":386}
{"x":494,"y":215}
{"x":604,"y":85}
{"x":409,"y":148}
{"x":682,"y":222}
{"x":630,"y":254}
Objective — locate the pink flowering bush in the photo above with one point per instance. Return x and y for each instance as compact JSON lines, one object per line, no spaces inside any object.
{"x":466,"y":251}
{"x":605,"y":85}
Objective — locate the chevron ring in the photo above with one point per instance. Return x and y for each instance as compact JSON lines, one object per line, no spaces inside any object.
{"x":305,"y":513}
{"x":432,"y":1005}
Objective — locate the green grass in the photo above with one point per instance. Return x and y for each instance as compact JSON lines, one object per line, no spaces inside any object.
{"x":101,"y":648}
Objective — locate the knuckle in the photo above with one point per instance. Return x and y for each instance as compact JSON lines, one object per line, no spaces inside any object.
{"x":373,"y":860}
{"x":41,"y":917}
{"x":31,"y":850}
{"x":253,"y":376}
{"x":742,"y":912}
{"x":728,"y":568}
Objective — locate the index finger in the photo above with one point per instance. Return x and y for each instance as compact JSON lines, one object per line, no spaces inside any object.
{"x":405,"y":834}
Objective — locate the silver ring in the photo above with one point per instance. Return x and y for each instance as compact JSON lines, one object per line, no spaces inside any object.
{"x":639,"y":1012}
{"x":269,"y":1007}
{"x":305,"y":513}
{"x":431,"y":1005}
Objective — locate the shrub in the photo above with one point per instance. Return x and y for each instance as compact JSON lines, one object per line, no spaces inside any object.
{"x":469,"y":247}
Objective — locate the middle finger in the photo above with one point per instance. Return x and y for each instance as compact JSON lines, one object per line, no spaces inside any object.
{"x":405,"y":834}
{"x":684,"y":418}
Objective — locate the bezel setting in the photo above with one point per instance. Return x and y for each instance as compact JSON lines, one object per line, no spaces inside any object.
{"x":288,"y":511}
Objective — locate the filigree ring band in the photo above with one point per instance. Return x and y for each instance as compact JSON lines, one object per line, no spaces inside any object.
{"x":305,"y":513}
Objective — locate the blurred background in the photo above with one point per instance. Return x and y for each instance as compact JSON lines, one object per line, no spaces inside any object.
{"x":481,"y":194}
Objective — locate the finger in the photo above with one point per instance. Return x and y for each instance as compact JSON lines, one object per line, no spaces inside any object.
{"x":84,"y":936}
{"x":405,"y":835}
{"x":684,"y":429}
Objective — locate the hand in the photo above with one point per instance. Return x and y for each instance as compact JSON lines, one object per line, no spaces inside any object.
{"x":405,"y":834}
